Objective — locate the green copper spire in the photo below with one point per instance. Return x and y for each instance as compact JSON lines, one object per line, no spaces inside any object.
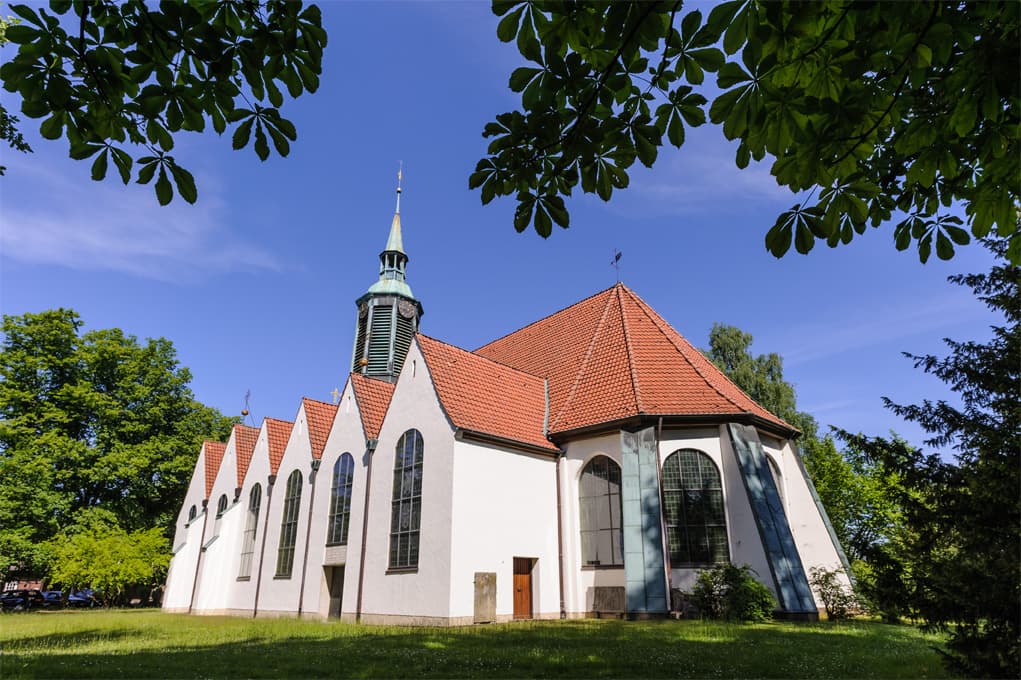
{"x":388,"y":312}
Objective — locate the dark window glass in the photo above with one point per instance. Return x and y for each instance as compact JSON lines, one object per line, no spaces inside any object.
{"x":191,"y":513}
{"x":405,"y":518}
{"x":340,"y":500}
{"x":695,"y":520}
{"x":221,"y":506}
{"x":602,"y":542}
{"x":251,"y":527}
{"x":289,"y":526}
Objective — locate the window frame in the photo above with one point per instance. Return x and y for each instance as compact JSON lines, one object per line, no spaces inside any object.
{"x":250,"y":533}
{"x":409,"y":455}
{"x":701,"y":495}
{"x":340,"y":500}
{"x":289,"y":526}
{"x":587,"y":533}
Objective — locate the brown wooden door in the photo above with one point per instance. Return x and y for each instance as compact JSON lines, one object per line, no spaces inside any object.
{"x":522,"y":588}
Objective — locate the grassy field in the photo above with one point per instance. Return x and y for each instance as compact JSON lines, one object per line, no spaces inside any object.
{"x":151,"y":644}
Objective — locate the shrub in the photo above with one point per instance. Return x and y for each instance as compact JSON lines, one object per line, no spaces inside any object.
{"x":839,"y":601}
{"x":732,"y":593}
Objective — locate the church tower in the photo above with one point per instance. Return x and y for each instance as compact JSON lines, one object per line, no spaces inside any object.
{"x":388,"y":313}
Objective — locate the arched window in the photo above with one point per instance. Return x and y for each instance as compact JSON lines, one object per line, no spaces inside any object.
{"x":221,"y":507}
{"x":696,"y":523}
{"x":251,"y":526}
{"x":289,"y":526}
{"x":777,"y":479}
{"x":406,"y":511}
{"x":340,"y":500}
{"x":602,"y":542}
{"x":191,"y":513}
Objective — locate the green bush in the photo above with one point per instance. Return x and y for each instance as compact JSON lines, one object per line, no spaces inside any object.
{"x":839,"y":600}
{"x":732,"y":593}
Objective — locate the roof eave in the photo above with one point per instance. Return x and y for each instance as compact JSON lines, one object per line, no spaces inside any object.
{"x":462,"y":433}
{"x":686,"y":419}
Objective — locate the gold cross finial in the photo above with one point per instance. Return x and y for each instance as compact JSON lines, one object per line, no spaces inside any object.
{"x":336,"y":395}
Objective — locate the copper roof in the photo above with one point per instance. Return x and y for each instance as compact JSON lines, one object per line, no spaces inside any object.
{"x":244,"y":444}
{"x":320,"y":417}
{"x":277,"y":434}
{"x":373,"y":398}
{"x":213,"y":457}
{"x":611,"y":357}
{"x":485,"y":397}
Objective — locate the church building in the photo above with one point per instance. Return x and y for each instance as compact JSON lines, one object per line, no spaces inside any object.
{"x":590,"y":463}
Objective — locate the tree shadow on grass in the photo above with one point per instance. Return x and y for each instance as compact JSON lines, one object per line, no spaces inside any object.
{"x":554,"y":649}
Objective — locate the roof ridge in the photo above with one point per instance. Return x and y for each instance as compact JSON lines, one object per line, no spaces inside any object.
{"x":584,"y":362}
{"x":548,"y":316}
{"x":627,"y":349}
{"x":482,"y":358}
{"x":278,"y":420}
{"x":319,"y":401}
{"x":656,"y":321}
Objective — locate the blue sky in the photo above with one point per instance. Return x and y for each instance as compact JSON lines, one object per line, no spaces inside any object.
{"x":255,"y":284}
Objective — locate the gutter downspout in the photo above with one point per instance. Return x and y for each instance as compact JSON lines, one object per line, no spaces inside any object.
{"x":262,"y":550}
{"x":662,"y":520}
{"x":308,"y":532}
{"x":560,"y":541}
{"x":198,"y":561}
{"x":370,"y":449}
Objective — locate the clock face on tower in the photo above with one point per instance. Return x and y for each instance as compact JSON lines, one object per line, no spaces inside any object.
{"x":406,"y":309}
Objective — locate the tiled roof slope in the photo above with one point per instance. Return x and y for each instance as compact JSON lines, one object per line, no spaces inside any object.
{"x":277,"y":434}
{"x":244,"y":444}
{"x":486,"y":397}
{"x":213,"y":456}
{"x":373,"y":397}
{"x":611,"y":356}
{"x":320,"y":417}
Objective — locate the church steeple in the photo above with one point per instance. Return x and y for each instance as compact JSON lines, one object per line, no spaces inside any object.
{"x":388,"y":313}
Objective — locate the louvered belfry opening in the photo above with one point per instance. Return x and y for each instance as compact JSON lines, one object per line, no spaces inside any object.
{"x":383,"y":335}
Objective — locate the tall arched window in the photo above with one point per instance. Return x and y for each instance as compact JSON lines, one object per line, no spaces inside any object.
{"x":602,"y":542}
{"x":406,"y":511}
{"x":251,"y":526}
{"x":340,"y":500}
{"x":774,"y":470}
{"x":289,"y":526}
{"x":696,"y":523}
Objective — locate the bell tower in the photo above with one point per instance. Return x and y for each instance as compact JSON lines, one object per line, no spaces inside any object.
{"x":388,"y":313}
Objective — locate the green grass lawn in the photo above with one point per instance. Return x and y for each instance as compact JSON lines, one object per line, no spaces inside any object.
{"x":151,"y":644}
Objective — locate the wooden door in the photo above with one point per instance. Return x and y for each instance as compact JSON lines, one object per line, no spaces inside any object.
{"x":522,"y":588}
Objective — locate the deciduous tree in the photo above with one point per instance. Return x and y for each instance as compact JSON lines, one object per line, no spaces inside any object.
{"x":122,"y":80}
{"x":872,"y":113}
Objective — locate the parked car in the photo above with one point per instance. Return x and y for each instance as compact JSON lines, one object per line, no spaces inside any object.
{"x":85,"y":598}
{"x":54,"y":598}
{"x":22,"y":600}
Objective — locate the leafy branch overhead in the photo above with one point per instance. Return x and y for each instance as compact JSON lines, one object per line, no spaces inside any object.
{"x":871,"y":113}
{"x":111,"y":77}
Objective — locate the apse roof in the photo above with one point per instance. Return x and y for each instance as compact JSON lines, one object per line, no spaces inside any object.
{"x":610,"y":357}
{"x":485,"y":397}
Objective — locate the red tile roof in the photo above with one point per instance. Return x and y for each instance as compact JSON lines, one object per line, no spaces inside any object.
{"x":213,"y":452}
{"x":610,"y":357}
{"x":320,"y":417}
{"x":486,"y":397}
{"x":244,"y":444}
{"x":373,"y":398}
{"x":277,"y":434}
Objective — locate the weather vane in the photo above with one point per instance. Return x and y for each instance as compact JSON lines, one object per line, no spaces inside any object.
{"x":245,"y":411}
{"x":616,"y":262}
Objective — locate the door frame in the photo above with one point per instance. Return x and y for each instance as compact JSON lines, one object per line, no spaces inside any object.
{"x":524,"y":567}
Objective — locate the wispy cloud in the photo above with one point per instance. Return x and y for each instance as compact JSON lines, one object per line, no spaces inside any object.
{"x":59,"y":217}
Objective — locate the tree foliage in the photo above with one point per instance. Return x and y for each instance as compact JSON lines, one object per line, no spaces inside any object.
{"x":122,"y":80}
{"x":961,"y":502}
{"x":871,"y":112}
{"x":87,"y":421}
{"x":110,"y":560}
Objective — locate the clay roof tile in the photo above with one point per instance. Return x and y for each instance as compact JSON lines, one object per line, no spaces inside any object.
{"x":373,"y":397}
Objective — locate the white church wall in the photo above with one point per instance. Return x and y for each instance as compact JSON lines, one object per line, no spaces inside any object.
{"x":241,"y":591}
{"x":579,"y":580}
{"x":278,"y":596}
{"x":181,"y":575}
{"x":213,"y":587}
{"x":421,"y":595}
{"x":504,"y":506}
{"x":346,"y":436}
{"x":812,"y":538}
